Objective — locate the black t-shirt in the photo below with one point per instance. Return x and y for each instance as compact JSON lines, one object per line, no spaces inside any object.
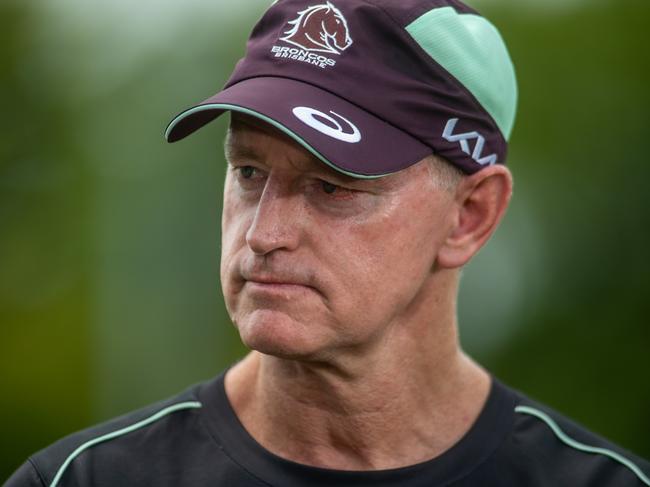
{"x":195,"y":439}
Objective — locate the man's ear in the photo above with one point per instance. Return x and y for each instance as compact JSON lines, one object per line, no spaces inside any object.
{"x":481,"y":201}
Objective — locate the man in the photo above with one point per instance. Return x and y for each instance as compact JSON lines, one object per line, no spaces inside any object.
{"x":365,"y":169}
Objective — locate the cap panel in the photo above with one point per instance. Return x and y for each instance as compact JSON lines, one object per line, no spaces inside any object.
{"x":471,"y":49}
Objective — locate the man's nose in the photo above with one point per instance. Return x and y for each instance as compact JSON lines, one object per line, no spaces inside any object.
{"x":276,"y":224}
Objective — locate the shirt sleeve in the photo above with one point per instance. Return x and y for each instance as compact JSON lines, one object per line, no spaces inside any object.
{"x":25,"y":476}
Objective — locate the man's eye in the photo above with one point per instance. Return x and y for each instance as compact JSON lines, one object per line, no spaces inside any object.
{"x":246,"y":171}
{"x":336,"y":192}
{"x":329,"y":188}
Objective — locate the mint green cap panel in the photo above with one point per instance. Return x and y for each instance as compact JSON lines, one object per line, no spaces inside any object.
{"x":471,"y":49}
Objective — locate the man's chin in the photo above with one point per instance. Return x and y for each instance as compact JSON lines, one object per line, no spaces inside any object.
{"x":275,"y":333}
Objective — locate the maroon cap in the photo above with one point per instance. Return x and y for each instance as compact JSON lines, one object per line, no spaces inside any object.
{"x":371,"y":87}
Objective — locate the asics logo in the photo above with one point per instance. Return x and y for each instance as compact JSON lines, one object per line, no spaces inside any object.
{"x":477,"y":153}
{"x":341,"y":129}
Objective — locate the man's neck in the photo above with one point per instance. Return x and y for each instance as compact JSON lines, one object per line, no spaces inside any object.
{"x":379,"y":416}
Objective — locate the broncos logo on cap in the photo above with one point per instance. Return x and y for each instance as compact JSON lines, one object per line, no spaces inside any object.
{"x":320,"y":28}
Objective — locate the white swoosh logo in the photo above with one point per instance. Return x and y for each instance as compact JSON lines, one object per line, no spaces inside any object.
{"x":346,"y":132}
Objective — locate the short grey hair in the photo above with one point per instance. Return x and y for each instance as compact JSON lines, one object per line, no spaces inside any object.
{"x":445,"y":175}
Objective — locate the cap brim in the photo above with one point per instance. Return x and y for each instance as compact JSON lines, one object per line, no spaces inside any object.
{"x":339,"y":133}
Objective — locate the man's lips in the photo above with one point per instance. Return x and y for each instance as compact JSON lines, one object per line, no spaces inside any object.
{"x":279,"y":290}
{"x":270,"y":280}
{"x":276,"y":283}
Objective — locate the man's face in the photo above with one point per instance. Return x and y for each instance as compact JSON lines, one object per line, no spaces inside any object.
{"x":314,"y":262}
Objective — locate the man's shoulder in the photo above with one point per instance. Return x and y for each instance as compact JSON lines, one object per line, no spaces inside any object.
{"x":547,"y":446}
{"x":154,"y":431}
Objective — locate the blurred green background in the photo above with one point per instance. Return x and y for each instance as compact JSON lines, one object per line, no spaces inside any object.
{"x":109,"y":243}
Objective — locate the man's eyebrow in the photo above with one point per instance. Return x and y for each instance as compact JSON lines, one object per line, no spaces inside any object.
{"x":240,"y":152}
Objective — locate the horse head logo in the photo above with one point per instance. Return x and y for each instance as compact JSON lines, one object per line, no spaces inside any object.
{"x":319,"y":28}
